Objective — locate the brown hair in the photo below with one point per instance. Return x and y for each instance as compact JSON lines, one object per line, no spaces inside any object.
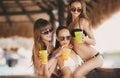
{"x":39,"y":26}
{"x":82,"y":15}
{"x":57,"y":45}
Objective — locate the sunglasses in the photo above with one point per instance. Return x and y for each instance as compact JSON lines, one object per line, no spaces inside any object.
{"x":47,"y":31}
{"x":76,"y":9}
{"x":63,"y":38}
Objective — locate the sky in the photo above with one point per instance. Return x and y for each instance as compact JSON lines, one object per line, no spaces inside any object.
{"x":107,"y":35}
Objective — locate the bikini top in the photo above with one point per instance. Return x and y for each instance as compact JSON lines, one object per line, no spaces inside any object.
{"x":71,"y":64}
{"x":75,"y":30}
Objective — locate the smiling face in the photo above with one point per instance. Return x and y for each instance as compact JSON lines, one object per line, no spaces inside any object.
{"x":46,"y":33}
{"x":76,"y":9}
{"x":64,"y":37}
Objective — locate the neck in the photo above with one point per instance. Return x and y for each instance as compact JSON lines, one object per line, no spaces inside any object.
{"x":74,"y":18}
{"x":49,"y":46}
{"x":46,"y":42}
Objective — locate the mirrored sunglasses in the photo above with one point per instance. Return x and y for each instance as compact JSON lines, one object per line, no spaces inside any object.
{"x":47,"y":31}
{"x":62,"y":38}
{"x":76,"y":9}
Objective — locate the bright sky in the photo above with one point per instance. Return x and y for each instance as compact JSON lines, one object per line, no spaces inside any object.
{"x":108,"y":34}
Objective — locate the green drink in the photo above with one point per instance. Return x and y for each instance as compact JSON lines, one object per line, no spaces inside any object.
{"x":78,"y":36}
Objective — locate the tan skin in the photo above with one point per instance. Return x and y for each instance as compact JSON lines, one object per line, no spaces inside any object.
{"x":67,"y":73}
{"x":84,"y":50}
{"x":45,"y":70}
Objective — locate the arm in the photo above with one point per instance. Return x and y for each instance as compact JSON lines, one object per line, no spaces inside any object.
{"x":90,"y":39}
{"x":66,"y":72}
{"x":55,"y":55}
{"x":53,"y":60}
{"x":44,"y":70}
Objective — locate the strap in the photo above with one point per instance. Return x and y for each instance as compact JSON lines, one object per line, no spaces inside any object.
{"x":79,"y":25}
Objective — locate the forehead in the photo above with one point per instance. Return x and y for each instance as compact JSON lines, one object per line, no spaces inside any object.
{"x":64,"y":32}
{"x":46,"y":28}
{"x":76,"y":4}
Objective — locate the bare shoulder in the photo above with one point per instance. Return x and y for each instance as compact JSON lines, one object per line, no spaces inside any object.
{"x":85,"y":23}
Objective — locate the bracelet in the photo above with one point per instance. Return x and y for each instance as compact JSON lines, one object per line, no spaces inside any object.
{"x":54,"y":56}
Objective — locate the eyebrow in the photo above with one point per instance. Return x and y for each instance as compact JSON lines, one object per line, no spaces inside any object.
{"x":75,"y":7}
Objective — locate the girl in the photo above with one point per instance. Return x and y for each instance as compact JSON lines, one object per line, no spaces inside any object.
{"x":77,"y":21}
{"x":69,"y":65}
{"x":43,"y":32}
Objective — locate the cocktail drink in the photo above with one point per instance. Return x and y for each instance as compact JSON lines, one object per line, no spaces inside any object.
{"x":44,"y":56}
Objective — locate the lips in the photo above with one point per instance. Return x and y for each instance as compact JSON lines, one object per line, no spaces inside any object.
{"x":64,"y":43}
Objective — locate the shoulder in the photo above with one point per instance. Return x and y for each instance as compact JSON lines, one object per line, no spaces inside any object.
{"x":85,"y":23}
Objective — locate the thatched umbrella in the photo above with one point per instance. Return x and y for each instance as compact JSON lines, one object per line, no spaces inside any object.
{"x":17,"y":16}
{"x":100,"y":10}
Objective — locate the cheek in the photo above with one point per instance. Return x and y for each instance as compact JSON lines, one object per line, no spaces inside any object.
{"x":72,"y":13}
{"x":42,"y":36}
{"x":65,"y":43}
{"x":75,"y":14}
{"x":68,"y":42}
{"x":61,"y":43}
{"x":48,"y":38}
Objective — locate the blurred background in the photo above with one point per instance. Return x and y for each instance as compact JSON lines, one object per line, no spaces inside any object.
{"x":16,"y":31}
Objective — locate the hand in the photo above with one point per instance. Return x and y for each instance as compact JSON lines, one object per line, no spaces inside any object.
{"x":83,"y":38}
{"x":70,"y":46}
{"x":46,"y":71}
{"x":83,"y":35}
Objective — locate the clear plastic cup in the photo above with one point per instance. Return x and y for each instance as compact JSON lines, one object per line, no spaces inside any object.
{"x":78,"y":36}
{"x":44,"y":56}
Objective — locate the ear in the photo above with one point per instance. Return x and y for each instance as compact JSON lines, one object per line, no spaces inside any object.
{"x":69,"y":8}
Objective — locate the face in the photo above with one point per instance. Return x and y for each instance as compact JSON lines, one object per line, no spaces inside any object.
{"x":64,"y":37}
{"x":76,"y":9}
{"x":46,"y":34}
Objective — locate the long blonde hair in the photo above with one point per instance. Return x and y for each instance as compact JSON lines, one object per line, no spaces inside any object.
{"x":39,"y":26}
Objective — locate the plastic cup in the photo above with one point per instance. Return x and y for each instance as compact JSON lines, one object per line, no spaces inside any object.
{"x":78,"y":36}
{"x":44,"y":56}
{"x":65,"y":54}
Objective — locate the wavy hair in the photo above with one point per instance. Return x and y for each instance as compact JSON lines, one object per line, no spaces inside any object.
{"x":39,"y":26}
{"x":57,"y":45}
{"x":82,"y":15}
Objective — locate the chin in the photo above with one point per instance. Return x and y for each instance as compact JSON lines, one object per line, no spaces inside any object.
{"x":49,"y":39}
{"x":66,"y":45}
{"x":76,"y":15}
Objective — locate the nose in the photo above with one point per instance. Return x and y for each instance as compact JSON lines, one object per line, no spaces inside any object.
{"x":65,"y":40}
{"x":76,"y":11}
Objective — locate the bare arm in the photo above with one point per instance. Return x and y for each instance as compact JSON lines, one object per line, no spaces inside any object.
{"x":66,"y":72}
{"x":90,"y":39}
{"x":44,"y":70}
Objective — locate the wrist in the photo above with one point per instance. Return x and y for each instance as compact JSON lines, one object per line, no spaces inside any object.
{"x":84,"y":38}
{"x":54,"y":56}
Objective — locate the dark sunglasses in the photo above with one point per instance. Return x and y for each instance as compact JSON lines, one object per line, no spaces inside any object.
{"x":76,"y":9}
{"x":47,"y":31}
{"x":63,"y":38}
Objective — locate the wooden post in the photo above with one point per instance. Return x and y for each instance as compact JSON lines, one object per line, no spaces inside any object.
{"x":61,"y":10}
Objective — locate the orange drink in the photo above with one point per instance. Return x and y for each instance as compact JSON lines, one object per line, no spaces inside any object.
{"x":65,"y":54}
